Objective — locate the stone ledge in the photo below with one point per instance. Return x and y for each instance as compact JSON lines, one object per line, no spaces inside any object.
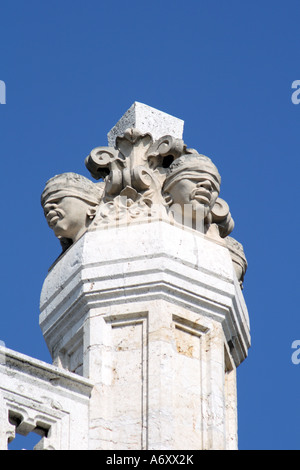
{"x":23,"y":364}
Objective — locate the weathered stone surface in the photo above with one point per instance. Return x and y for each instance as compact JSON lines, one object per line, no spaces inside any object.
{"x":143,"y":312}
{"x":147,"y":302}
{"x":69,"y":201}
{"x":150,"y":318}
{"x":141,"y":178}
{"x":147,"y":120}
{"x":38,"y":397}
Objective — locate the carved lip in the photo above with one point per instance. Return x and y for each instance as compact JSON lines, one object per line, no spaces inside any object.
{"x":52,"y":217}
{"x":201,"y":195}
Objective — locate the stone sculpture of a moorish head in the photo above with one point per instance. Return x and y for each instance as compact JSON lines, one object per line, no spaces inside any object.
{"x":69,"y":201}
{"x":192,"y":186}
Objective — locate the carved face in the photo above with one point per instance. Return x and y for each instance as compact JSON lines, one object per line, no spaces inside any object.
{"x":67,"y":216}
{"x":200,"y":191}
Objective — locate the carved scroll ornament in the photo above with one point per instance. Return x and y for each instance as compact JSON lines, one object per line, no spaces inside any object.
{"x":142,"y":179}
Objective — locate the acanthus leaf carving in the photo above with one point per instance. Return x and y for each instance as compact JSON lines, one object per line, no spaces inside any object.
{"x":166,"y":146}
{"x":106,"y":162}
{"x":147,"y":178}
{"x":129,"y":165}
{"x":102,"y":160}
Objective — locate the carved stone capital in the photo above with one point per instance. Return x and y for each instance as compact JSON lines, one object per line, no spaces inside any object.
{"x":140,"y":178}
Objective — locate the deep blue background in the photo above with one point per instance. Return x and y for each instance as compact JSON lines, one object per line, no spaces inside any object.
{"x":72,"y":69}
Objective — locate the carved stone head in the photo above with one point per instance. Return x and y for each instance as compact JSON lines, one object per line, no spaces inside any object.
{"x":69,"y":201}
{"x":192,"y":183}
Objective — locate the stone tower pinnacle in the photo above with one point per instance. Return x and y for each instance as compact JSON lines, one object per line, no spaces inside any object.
{"x":143,"y":311}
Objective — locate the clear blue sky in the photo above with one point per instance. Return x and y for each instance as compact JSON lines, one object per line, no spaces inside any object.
{"x":71,"y":70}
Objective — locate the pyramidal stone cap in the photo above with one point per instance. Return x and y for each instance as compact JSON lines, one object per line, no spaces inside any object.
{"x":147,"y":120}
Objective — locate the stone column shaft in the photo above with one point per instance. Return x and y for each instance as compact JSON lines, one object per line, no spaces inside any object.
{"x":158,"y":325}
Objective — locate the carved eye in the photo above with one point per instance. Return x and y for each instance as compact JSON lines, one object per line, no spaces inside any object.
{"x":56,"y":201}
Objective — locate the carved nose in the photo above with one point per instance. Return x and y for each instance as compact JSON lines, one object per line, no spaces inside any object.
{"x":204,"y":184}
{"x":49,"y":206}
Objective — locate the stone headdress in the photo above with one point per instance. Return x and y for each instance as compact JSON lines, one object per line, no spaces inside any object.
{"x":190,"y":166}
{"x":72,"y":184}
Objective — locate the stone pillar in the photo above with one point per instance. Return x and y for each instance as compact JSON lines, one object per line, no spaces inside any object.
{"x":153,"y":314}
{"x":159,"y":325}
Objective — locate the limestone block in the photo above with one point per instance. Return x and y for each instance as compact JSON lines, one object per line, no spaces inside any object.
{"x":159,"y":325}
{"x":147,"y":120}
{"x":181,"y":265}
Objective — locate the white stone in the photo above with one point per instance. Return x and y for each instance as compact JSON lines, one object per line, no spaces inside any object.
{"x":147,"y":119}
{"x":38,"y":397}
{"x":143,"y":314}
{"x":160,"y":326}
